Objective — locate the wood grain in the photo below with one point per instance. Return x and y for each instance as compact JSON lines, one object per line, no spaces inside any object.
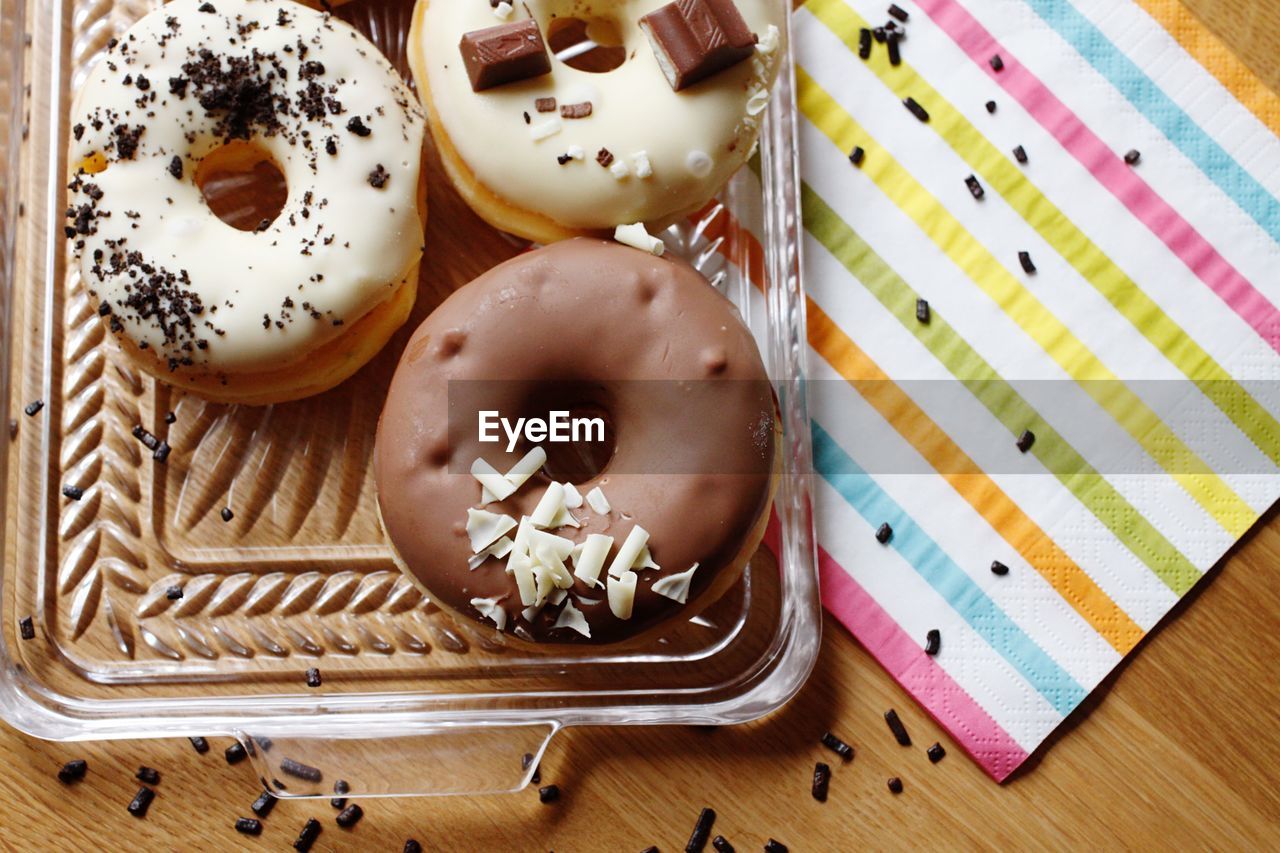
{"x":1181,"y":750}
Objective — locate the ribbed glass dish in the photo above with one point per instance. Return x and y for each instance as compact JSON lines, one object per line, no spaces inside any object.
{"x":413,"y":701}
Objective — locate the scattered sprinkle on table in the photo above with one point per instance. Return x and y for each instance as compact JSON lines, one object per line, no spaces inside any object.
{"x":922,"y":310}
{"x":141,"y":801}
{"x":991,"y":106}
{"x":1028,"y":266}
{"x":652,"y":848}
{"x":13,"y":428}
{"x":915,"y":109}
{"x":864,"y":43}
{"x":821,"y":781}
{"x":162,"y":452}
{"x":350,"y":816}
{"x":836,"y":745}
{"x":548,"y":793}
{"x":721,"y":844}
{"x":298,"y":770}
{"x":884,"y":533}
{"x":1020,"y":154}
{"x":73,"y":771}
{"x":264,"y":804}
{"x":171,"y":417}
{"x":895,"y":53}
{"x":173,"y":593}
{"x":975,"y":188}
{"x":896,"y":11}
{"x":1132,"y":156}
{"x":999,"y":568}
{"x":73,"y":492}
{"x":198,"y":743}
{"x":27,"y":628}
{"x":33,"y":408}
{"x":857,"y":155}
{"x":145,"y":436}
{"x":412,"y":846}
{"x":227,"y":514}
{"x":537,"y":771}
{"x":248,"y":826}
{"x":310,"y":832}
{"x":701,"y":831}
{"x":236,"y":753}
{"x":895,"y":784}
{"x":932,"y":642}
{"x":774,"y":846}
{"x":997,"y":64}
{"x":936,"y":753}
{"x":313,"y":677}
{"x":896,"y":726}
{"x":150,"y":775}
{"x":879,"y":34}
{"x":341,"y":788}
{"x":1025,"y":440}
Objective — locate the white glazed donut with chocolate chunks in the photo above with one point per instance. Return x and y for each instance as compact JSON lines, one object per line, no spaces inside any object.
{"x":296,"y":305}
{"x":544,"y":143}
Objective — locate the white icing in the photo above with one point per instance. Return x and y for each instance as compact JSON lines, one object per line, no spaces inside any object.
{"x":361,"y":240}
{"x":595,"y":550}
{"x":622,"y":594}
{"x":636,"y":109}
{"x":597,"y":501}
{"x":548,"y":507}
{"x":675,"y":587}
{"x":491,"y":609}
{"x":572,"y":497}
{"x":637,"y":237}
{"x":494,"y":485}
{"x":527,"y":466}
{"x":630,"y":550}
{"x":571,"y":617}
{"x":484,"y":527}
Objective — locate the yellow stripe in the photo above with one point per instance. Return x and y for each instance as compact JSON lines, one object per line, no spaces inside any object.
{"x":1143,"y":313}
{"x":1205,"y":487}
{"x":1217,"y":59}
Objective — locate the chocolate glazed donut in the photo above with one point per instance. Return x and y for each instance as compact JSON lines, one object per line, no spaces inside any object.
{"x":688,"y":403}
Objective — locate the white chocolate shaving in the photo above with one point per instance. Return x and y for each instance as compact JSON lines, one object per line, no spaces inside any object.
{"x":619,"y":170}
{"x":769,"y":41}
{"x":495,"y":485}
{"x":548,"y":507}
{"x":637,"y":237}
{"x":524,"y":534}
{"x":503,"y":10}
{"x":530,"y":613}
{"x":571,"y":617}
{"x":498,"y":549}
{"x":640,"y":162}
{"x":597,"y":501}
{"x":544,"y":129}
{"x":595,"y":551}
{"x":558,"y":596}
{"x":546,"y":583}
{"x":527,"y":466}
{"x":564,"y":518}
{"x":630,"y":550}
{"x":484,"y":527}
{"x":644,"y":561}
{"x":622,"y":594}
{"x":572,"y":497}
{"x":555,"y":567}
{"x":675,"y":587}
{"x":490,"y":608}
{"x":559,"y":545}
{"x":576,"y":152}
{"x":521,"y":568}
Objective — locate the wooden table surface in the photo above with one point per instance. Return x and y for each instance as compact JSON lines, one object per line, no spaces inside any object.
{"x":1180,"y":750}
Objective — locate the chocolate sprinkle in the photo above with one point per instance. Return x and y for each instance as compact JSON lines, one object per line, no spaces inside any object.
{"x":701,"y":831}
{"x":581,"y":110}
{"x":836,"y":745}
{"x":975,"y":188}
{"x":199,"y":744}
{"x":141,"y":801}
{"x":236,"y":753}
{"x":148,"y":440}
{"x":150,"y":775}
{"x":884,"y":533}
{"x":896,"y":11}
{"x":378,"y":177}
{"x":895,"y":784}
{"x":264,"y":804}
{"x":1025,"y":440}
{"x":991,"y":106}
{"x":1132,"y":156}
{"x":32,"y":409}
{"x":173,"y":593}
{"x":997,"y":64}
{"x":1024,"y":258}
{"x":545,"y":105}
{"x":356,"y":126}
{"x":248,"y":826}
{"x":175,"y":167}
{"x":895,"y":53}
{"x":75,"y":493}
{"x":721,"y":844}
{"x":162,"y":452}
{"x":562,"y":159}
{"x":170,"y":418}
{"x":73,"y":771}
{"x":227,"y":514}
{"x":26,"y":628}
{"x":999,"y":568}
{"x":864,"y":43}
{"x":857,"y":155}
{"x":880,"y":34}
{"x":936,"y":753}
{"x":774,"y":846}
{"x":604,"y":157}
{"x":898,"y":729}
{"x":821,"y":781}
{"x":933,"y":642}
{"x":300,"y":771}
{"x":313,"y":677}
{"x":915,"y":109}
{"x":412,"y":846}
{"x":1020,"y":154}
{"x":310,"y":832}
{"x":548,"y":793}
{"x":349,"y":816}
{"x":922,"y":311}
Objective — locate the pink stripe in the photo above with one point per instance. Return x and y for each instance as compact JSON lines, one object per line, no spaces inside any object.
{"x":1109,"y":169}
{"x":947,"y":702}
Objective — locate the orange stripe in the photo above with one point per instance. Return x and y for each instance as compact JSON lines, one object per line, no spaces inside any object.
{"x":970,"y":482}
{"x":1218,"y":59}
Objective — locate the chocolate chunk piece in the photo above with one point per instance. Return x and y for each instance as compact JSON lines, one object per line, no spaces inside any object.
{"x":975,"y":188}
{"x":936,"y":753}
{"x":236,"y":753}
{"x":199,"y":744}
{"x":991,"y":106}
{"x":548,"y":793}
{"x":922,"y":310}
{"x":33,"y":408}
{"x":75,"y":493}
{"x":581,"y":110}
{"x":604,"y":157}
{"x":695,"y":39}
{"x":997,"y":64}
{"x":504,"y":54}
{"x":1024,"y":259}
{"x":545,"y":105}
{"x":313,"y":677}
{"x":1132,"y":156}
{"x":150,"y":775}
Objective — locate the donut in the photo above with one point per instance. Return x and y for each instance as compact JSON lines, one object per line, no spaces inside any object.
{"x":295,"y":305}
{"x":662,"y":529}
{"x":546,"y":150}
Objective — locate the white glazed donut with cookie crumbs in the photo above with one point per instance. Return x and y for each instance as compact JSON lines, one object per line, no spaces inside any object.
{"x":289,"y":308}
{"x":559,"y":118}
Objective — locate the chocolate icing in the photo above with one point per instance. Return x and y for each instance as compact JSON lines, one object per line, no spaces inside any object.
{"x":583,"y":311}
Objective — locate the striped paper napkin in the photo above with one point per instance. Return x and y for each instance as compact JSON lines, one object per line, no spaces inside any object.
{"x":1135,"y":343}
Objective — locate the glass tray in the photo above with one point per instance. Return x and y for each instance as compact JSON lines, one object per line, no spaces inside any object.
{"x":301,"y":578}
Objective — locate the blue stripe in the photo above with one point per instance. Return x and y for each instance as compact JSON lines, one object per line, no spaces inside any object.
{"x":1162,"y":112}
{"x":941,"y":572}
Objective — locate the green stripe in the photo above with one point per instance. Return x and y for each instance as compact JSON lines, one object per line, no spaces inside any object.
{"x":1006,"y":405}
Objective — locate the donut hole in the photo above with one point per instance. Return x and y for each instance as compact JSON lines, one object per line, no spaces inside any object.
{"x":594,"y":45}
{"x":574,"y":461}
{"x":242,"y":185}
